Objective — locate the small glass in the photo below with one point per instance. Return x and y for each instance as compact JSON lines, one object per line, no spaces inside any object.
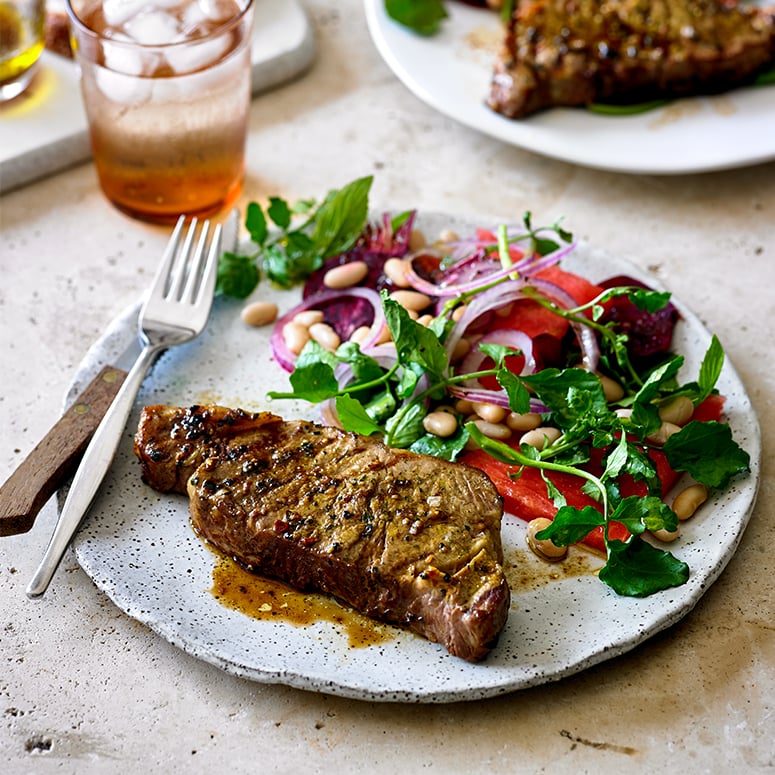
{"x":22,"y":38}
{"x":166,"y":85}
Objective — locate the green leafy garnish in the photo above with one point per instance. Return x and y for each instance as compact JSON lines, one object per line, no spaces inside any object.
{"x":289,"y":250}
{"x":422,"y":16}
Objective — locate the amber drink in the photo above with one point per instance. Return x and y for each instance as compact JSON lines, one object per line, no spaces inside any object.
{"x":166,"y":87}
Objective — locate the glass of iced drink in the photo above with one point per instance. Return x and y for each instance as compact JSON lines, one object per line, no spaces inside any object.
{"x":166,"y":87}
{"x":22,"y":36}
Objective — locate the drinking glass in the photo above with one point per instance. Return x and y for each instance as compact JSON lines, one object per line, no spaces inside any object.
{"x":166,"y":85}
{"x":22,"y":37}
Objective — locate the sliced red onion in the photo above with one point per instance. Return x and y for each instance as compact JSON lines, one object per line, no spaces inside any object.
{"x":516,"y":340}
{"x":286,"y":358}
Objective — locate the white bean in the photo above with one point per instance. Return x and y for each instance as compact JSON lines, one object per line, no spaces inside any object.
{"x":667,"y":536}
{"x":546,"y":549}
{"x":493,"y":430}
{"x":295,"y":336}
{"x":308,"y":316}
{"x":490,"y":412}
{"x":612,"y":390}
{"x":395,"y":271}
{"x":259,"y":313}
{"x":325,"y":336}
{"x":679,"y":411}
{"x":360,"y":334}
{"x":345,"y":275}
{"x":689,"y":500}
{"x":411,"y":300}
{"x":663,"y":433}
{"x":440,"y":423}
{"x":523,"y":422}
{"x":540,"y":437}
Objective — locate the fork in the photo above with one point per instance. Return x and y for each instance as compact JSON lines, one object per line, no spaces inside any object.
{"x":175,"y":311}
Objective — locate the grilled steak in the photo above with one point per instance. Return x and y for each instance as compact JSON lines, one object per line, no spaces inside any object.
{"x":403,"y":538}
{"x":575,"y":52}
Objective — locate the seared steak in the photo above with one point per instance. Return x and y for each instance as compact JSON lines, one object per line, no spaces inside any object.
{"x":403,"y":538}
{"x":576,"y":52}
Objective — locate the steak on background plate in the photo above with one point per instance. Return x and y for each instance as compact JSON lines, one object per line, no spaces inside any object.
{"x":403,"y":538}
{"x":578,"y":52}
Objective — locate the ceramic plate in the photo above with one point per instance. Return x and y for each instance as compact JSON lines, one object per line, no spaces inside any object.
{"x":138,"y":546}
{"x":451,"y":73}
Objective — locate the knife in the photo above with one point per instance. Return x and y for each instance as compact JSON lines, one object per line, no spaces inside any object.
{"x":55,"y":458}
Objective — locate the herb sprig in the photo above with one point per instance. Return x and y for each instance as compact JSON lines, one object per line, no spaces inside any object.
{"x":303,"y":236}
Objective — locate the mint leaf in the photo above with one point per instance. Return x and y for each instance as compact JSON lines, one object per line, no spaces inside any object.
{"x":707,"y":451}
{"x":637,"y":569}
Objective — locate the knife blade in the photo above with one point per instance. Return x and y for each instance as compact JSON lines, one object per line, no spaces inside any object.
{"x":55,"y":458}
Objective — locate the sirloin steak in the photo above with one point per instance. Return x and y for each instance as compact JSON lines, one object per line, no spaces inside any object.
{"x":403,"y":538}
{"x":576,"y":52}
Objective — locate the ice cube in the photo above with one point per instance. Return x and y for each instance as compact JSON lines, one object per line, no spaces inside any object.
{"x":194,"y":56}
{"x":193,"y":18}
{"x":152,"y":28}
{"x":128,"y":59}
{"x":218,"y":10}
{"x":117,"y":12}
{"x":127,"y":90}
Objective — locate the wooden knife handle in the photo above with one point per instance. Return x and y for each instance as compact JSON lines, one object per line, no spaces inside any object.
{"x":52,"y":461}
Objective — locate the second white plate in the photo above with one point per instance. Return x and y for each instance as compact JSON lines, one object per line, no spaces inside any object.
{"x":451,"y":73}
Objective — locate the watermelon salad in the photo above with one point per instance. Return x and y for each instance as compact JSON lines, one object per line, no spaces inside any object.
{"x":483,"y":349}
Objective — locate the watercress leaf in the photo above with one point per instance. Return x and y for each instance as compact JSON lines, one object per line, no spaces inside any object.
{"x":645,"y":414}
{"x":381,"y":406}
{"x":415,"y":344}
{"x":313,"y":352}
{"x":498,"y":352}
{"x":365,"y":368}
{"x":397,"y":221}
{"x":354,"y":417}
{"x":279,"y":212}
{"x":255,"y":223}
{"x":314,"y":382}
{"x":616,"y":460}
{"x":545,"y":246}
{"x":448,"y":448}
{"x":421,"y":16}
{"x":519,"y":396}
{"x":237,"y":276}
{"x":276,"y":265}
{"x":639,"y":514}
{"x":405,"y":427}
{"x":570,"y":525}
{"x":707,"y":451}
{"x":649,"y":300}
{"x":556,"y":496}
{"x":710,"y":369}
{"x":568,"y":393}
{"x":637,"y":569}
{"x":341,"y":217}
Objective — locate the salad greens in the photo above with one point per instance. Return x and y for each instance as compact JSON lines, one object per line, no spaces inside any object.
{"x":393,"y":400}
{"x":291,"y":252}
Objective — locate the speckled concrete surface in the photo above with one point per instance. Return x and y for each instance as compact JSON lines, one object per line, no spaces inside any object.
{"x":84,"y":689}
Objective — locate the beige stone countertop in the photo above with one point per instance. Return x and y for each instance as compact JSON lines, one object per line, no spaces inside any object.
{"x":86,"y":689}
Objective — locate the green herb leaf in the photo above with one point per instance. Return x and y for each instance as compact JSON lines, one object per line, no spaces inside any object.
{"x":341,"y":218}
{"x":354,"y":417}
{"x":237,"y":276}
{"x":255,"y":223}
{"x":707,"y":451}
{"x":422,"y":16}
{"x":570,"y":525}
{"x":637,"y":569}
{"x":639,"y":514}
{"x":710,"y":369}
{"x":447,"y":449}
{"x":279,"y":212}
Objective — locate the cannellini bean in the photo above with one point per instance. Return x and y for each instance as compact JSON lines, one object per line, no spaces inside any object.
{"x":523,"y":422}
{"x":411,"y":300}
{"x":360,"y":334}
{"x":546,"y":549}
{"x":491,"y":412}
{"x":493,"y":430}
{"x":448,"y":235}
{"x":689,"y":500}
{"x":308,"y":316}
{"x":504,"y":311}
{"x":663,"y":433}
{"x":395,"y":271}
{"x":325,"y":336}
{"x":666,"y":536}
{"x":540,"y":437}
{"x":613,"y":390}
{"x":679,"y":411}
{"x":417,"y":240}
{"x":464,"y":406}
{"x":461,"y":349}
{"x":295,"y":336}
{"x":440,"y":423}
{"x":259,"y":313}
{"x":345,"y":275}
{"x":458,"y":312}
{"x":425,"y":320}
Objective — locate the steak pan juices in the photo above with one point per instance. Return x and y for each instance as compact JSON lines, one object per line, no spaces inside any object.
{"x":407,"y":539}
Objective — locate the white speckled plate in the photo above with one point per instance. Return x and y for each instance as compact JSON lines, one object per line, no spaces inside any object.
{"x":451,"y":72}
{"x":138,"y":546}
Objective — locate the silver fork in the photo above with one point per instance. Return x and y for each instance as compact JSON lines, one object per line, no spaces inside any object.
{"x":175,"y":311}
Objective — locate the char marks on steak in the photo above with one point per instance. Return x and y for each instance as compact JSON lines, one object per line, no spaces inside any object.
{"x":577,"y":52}
{"x":403,"y":538}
